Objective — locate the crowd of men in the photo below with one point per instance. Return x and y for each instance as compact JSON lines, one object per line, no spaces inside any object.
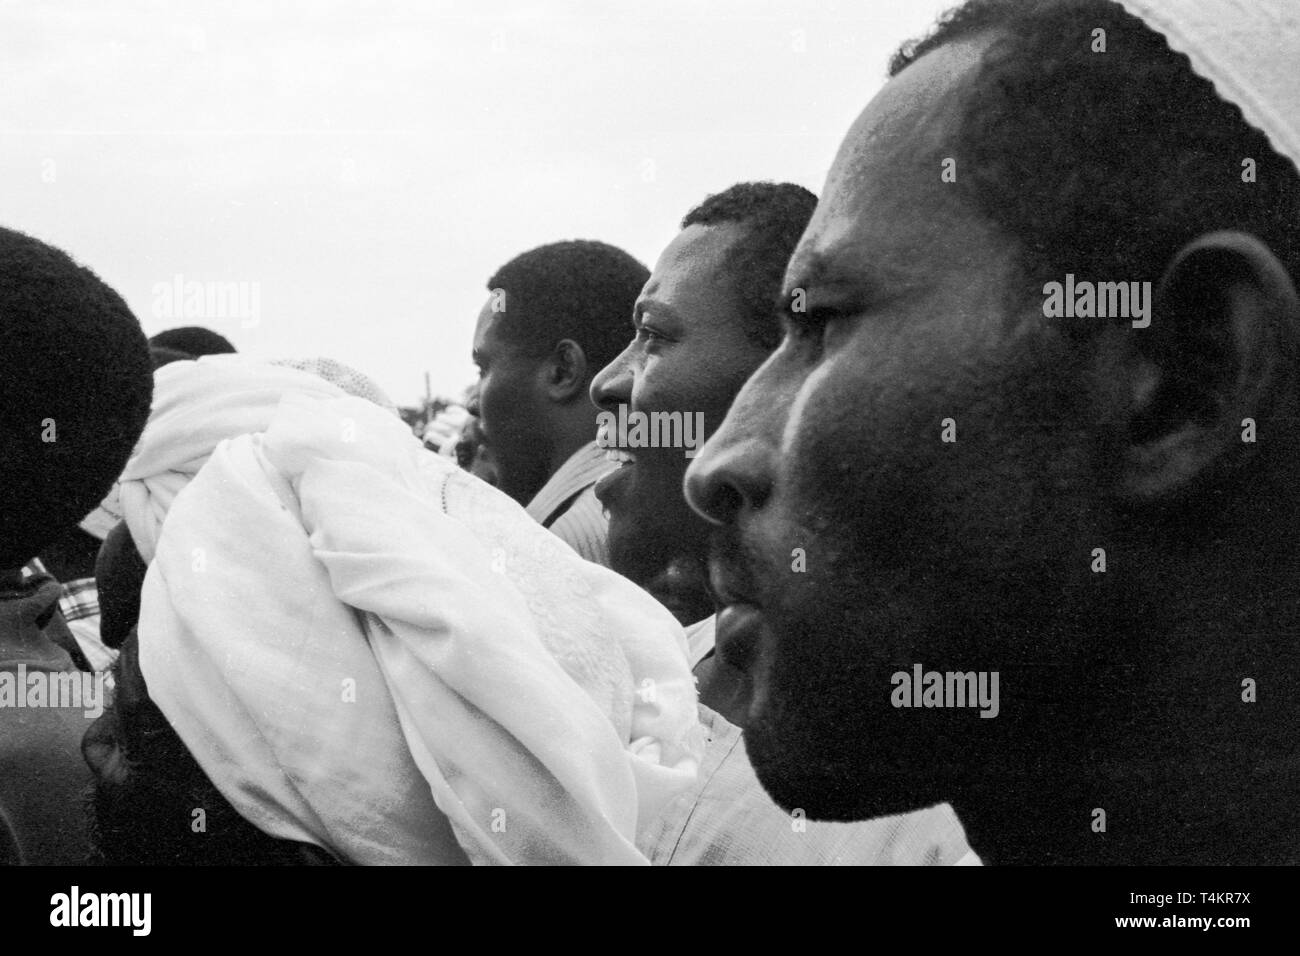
{"x":943,"y":577}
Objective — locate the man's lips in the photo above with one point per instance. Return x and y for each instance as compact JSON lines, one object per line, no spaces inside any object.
{"x":739,"y":624}
{"x":607,"y":481}
{"x":737,"y":634}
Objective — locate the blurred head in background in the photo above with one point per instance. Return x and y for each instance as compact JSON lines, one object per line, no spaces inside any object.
{"x":192,"y":340}
{"x":554,"y":317}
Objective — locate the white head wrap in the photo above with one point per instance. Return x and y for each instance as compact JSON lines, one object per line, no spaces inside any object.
{"x":222,"y":396}
{"x":105,"y":517}
{"x":366,"y":648}
{"x":195,"y":406}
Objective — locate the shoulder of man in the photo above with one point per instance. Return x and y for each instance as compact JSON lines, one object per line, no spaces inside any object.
{"x":583,"y":526}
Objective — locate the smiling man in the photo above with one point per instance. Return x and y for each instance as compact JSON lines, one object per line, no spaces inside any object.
{"x":703,"y":323}
{"x":1102,"y":515}
{"x":556,"y":315}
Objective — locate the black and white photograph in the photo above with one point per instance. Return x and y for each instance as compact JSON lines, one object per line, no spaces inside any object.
{"x":778,"y":433}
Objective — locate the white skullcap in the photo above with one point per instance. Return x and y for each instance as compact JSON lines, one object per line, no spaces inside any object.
{"x":1249,"y":50}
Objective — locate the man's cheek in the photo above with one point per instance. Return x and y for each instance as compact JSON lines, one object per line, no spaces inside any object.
{"x":812,"y":396}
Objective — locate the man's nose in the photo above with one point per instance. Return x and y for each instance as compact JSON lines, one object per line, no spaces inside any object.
{"x":612,"y":385}
{"x":732,"y":472}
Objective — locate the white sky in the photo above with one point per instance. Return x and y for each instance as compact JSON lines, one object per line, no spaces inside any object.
{"x":370,"y":165}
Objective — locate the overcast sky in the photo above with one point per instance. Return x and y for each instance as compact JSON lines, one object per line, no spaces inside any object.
{"x":369,"y":165}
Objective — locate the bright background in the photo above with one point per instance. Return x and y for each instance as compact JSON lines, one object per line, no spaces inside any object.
{"x":370,"y":165}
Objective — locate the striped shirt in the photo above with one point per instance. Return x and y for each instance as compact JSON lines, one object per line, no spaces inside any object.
{"x":567,"y":504}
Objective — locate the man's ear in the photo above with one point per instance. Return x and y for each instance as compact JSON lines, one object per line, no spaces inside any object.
{"x":566,"y":371}
{"x":1218,"y":350}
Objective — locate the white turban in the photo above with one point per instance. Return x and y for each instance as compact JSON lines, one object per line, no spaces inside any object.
{"x":195,"y":406}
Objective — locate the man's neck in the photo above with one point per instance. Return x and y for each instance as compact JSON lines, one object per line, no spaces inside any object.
{"x":1158,"y":816}
{"x":573,"y":435}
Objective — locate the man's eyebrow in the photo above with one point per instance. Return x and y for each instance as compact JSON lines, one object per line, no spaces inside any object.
{"x":836,"y":277}
{"x":655,"y":305}
{"x":811,"y":268}
{"x":817,"y":271}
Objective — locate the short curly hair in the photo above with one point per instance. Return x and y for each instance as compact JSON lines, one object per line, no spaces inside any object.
{"x":579,"y":289}
{"x":193,"y":340}
{"x":76,"y":381}
{"x":1104,"y":164}
{"x":773,"y":216}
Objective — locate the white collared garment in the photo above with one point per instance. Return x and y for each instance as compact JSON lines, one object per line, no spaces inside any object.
{"x":568,"y":506}
{"x":700,"y":638}
{"x":727,"y":819}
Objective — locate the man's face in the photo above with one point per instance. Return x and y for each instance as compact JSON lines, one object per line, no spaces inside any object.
{"x":510,"y":405}
{"x":855,"y":542}
{"x":472,"y":456}
{"x":690,"y":355}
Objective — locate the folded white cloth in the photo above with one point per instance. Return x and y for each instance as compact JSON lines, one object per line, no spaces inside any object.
{"x":362,"y":644}
{"x":195,"y":406}
{"x":105,"y":517}
{"x":1249,"y":50}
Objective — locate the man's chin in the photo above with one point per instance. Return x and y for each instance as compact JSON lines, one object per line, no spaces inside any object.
{"x":834,"y":787}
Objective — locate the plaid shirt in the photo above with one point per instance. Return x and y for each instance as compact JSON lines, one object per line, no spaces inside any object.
{"x":80,"y":598}
{"x":79,"y":605}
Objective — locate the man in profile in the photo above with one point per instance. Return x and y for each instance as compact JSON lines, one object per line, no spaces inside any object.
{"x":1100,"y":511}
{"x":703,"y":323}
{"x":555,"y":316}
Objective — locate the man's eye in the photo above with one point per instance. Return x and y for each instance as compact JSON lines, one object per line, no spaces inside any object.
{"x":806,"y":323}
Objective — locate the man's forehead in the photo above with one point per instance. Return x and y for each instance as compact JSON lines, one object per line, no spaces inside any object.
{"x":485,"y":326}
{"x":888,"y":173}
{"x":696,"y":244}
{"x":922,"y":98}
{"x":697,"y":254}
